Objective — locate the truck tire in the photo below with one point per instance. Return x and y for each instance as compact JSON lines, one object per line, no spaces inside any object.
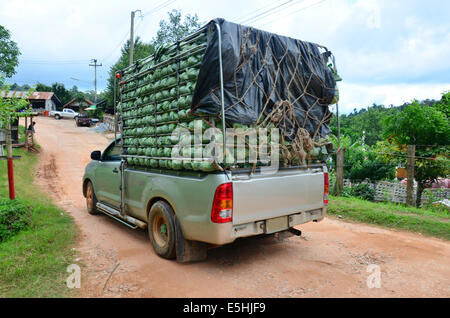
{"x":188,"y":251}
{"x":91,"y":199}
{"x":57,"y":117}
{"x":161,"y":229}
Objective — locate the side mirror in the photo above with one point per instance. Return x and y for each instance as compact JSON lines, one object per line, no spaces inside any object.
{"x":96,"y":155}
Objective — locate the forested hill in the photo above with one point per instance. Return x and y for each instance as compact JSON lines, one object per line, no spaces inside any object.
{"x":368,"y":122}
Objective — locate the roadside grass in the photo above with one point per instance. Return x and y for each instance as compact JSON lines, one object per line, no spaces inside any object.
{"x":33,"y":263}
{"x":425,"y":221}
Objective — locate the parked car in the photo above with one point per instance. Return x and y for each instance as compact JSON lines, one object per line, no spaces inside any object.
{"x":83,"y":120}
{"x":66,"y":113}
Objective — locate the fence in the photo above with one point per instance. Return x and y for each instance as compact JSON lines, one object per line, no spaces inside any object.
{"x":109,"y":122}
{"x":396,"y":192}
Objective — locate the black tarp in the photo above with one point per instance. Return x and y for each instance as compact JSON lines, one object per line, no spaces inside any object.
{"x":261,"y":69}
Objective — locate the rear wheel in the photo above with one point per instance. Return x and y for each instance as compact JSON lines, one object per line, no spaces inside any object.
{"x":161,"y":229}
{"x":91,"y":199}
{"x":57,"y":116}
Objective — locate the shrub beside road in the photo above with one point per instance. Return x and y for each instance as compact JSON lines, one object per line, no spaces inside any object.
{"x":36,"y":251}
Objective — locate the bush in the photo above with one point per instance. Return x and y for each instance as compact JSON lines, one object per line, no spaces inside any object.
{"x":363,"y":191}
{"x":14,"y":217}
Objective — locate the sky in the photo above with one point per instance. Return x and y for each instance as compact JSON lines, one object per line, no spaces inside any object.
{"x":387,"y":52}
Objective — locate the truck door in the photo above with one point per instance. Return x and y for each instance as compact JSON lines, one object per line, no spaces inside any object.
{"x":108,"y":176}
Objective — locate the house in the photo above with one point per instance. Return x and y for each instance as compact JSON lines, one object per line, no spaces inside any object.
{"x":78,"y":104}
{"x":40,"y":101}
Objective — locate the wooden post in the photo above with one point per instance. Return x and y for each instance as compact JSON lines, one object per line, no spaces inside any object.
{"x":31,"y":132}
{"x":26,"y":132}
{"x":339,"y":185}
{"x":410,"y":175}
{"x":9,"y":157}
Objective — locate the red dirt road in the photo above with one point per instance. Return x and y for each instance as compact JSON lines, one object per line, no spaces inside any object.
{"x":331,"y":260}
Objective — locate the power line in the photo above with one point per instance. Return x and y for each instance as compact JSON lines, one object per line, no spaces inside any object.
{"x":159,"y":7}
{"x":162,"y":5}
{"x":254,"y":12}
{"x":55,"y":62}
{"x":291,"y":13}
{"x":117,"y":46}
{"x":265,"y":13}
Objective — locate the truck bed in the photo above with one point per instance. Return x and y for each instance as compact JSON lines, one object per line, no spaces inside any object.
{"x":261,"y":203}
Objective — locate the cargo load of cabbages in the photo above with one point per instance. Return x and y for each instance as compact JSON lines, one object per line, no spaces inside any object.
{"x":270,"y":81}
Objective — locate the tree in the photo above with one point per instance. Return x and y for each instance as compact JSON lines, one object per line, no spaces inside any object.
{"x":170,"y":31}
{"x":9,"y":53}
{"x":444,"y":104}
{"x":63,"y":94}
{"x":362,"y":162}
{"x":364,"y":124}
{"x":174,"y":29}
{"x":427,"y":128}
{"x":43,"y":88}
{"x":10,"y":110}
{"x":141,"y":50}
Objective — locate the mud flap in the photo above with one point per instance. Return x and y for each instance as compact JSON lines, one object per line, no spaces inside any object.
{"x":188,"y":251}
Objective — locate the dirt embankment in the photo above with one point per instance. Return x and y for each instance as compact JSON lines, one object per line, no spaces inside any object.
{"x":331,"y":260}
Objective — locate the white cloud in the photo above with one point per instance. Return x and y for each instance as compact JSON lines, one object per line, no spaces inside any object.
{"x":386,"y":51}
{"x":373,"y":10}
{"x":361,"y":96}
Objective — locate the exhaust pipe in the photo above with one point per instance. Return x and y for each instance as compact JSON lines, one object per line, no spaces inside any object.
{"x":295,"y":231}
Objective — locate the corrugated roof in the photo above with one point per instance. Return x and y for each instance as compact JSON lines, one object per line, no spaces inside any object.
{"x":87,"y":101}
{"x":35,"y":95}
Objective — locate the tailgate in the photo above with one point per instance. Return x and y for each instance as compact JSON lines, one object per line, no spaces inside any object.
{"x":286,"y":192}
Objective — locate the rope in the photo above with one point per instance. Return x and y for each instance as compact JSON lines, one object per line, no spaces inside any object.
{"x":283,"y":113}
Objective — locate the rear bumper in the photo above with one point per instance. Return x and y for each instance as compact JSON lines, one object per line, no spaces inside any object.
{"x":228,"y":233}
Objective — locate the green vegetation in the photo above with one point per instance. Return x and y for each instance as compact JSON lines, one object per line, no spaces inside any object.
{"x":170,"y":31}
{"x":432,"y":222}
{"x":14,"y":217}
{"x":33,"y":262}
{"x":429,"y":129}
{"x":375,"y":141}
{"x":9,"y":53}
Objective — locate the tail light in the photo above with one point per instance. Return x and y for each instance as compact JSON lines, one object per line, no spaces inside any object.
{"x":326,"y":188}
{"x":222,"y":209}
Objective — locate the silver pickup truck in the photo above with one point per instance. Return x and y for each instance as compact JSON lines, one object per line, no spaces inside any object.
{"x":66,"y":113}
{"x":186,"y":212}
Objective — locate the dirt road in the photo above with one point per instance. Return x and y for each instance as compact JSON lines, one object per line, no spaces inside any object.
{"x":330,"y":261}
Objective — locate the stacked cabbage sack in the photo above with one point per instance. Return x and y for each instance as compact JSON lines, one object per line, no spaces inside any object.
{"x":155,"y":100}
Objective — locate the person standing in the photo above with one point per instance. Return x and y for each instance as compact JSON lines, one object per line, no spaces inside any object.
{"x":30,"y":133}
{"x":31,"y":127}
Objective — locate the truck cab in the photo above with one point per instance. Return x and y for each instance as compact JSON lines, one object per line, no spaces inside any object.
{"x":187,"y":211}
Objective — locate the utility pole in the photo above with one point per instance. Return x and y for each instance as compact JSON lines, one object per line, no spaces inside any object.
{"x":410,"y":176}
{"x":132,"y":35}
{"x":95,"y":65}
{"x":339,"y":185}
{"x":9,"y":158}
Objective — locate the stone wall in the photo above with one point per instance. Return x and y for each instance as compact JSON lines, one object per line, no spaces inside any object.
{"x":396,"y":191}
{"x":108,"y":121}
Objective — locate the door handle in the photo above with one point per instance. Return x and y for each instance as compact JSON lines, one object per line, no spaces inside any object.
{"x":115,"y":170}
